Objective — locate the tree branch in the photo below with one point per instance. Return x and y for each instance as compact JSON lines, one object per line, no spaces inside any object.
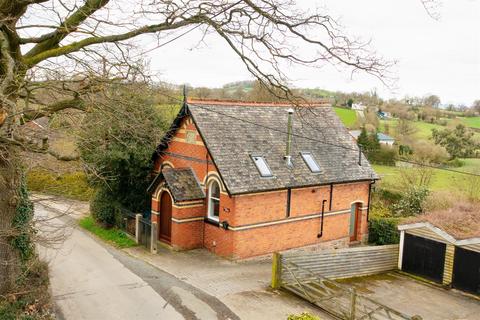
{"x":52,"y":39}
{"x":75,"y":103}
{"x":30,"y":60}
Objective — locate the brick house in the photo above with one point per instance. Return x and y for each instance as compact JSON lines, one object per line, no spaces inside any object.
{"x":246,"y":179}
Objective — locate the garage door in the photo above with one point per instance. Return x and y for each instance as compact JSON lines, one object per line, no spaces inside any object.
{"x":466,"y":270}
{"x":423,"y":257}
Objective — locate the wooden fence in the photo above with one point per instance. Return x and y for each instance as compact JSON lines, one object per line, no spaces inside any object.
{"x":349,"y":262}
{"x":302,"y":275}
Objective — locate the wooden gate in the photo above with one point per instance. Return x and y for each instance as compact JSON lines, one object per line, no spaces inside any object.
{"x":466,"y":270}
{"x":337,"y":299}
{"x":423,"y":257}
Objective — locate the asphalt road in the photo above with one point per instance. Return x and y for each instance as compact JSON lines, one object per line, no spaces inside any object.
{"x":92,"y":280}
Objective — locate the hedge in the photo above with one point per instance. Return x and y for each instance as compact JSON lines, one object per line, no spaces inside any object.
{"x":383,"y":230}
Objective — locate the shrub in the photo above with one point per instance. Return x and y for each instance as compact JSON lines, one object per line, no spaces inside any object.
{"x":455,"y":163}
{"x":387,"y":195}
{"x":412,"y":202}
{"x":102,"y":207}
{"x":384,"y":155}
{"x":303,"y":316}
{"x":426,"y":152}
{"x":383,"y":230}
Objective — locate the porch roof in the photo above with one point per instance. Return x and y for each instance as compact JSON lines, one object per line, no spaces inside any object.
{"x":182,"y":183}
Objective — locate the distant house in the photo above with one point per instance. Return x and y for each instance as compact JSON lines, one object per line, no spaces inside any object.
{"x":35,"y":132}
{"x":358,"y":107}
{"x":227,"y":179}
{"x":382,"y":137}
{"x":384,"y":115}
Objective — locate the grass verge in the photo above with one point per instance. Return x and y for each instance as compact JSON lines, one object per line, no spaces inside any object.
{"x":113,"y":236}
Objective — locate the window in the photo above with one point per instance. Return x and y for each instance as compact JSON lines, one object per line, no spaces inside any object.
{"x":310,"y":161}
{"x":262,"y":166}
{"x":214,"y":200}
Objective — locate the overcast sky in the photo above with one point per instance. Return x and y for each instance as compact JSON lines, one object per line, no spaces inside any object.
{"x":434,"y":57}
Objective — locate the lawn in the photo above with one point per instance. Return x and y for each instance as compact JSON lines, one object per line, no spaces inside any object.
{"x":113,"y":236}
{"x":441,"y":180}
{"x":348,"y":116}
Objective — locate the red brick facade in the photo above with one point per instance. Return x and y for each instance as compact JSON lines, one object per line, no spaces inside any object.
{"x":258,"y":222}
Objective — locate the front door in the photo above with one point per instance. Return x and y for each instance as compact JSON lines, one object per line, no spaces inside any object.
{"x":354,"y":210}
{"x":165,"y":233}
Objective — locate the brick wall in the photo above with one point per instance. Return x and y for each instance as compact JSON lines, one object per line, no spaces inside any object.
{"x":247,"y":211}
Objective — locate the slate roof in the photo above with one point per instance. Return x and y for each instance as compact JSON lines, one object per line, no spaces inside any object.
{"x":231,"y":143}
{"x":182,"y":183}
{"x":380,"y":136}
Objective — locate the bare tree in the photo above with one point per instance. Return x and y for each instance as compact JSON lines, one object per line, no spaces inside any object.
{"x":44,"y":42}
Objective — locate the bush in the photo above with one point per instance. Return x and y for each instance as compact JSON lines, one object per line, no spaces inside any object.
{"x":383,"y":230}
{"x":303,"y":316}
{"x":384,"y":155}
{"x":426,"y":152}
{"x":102,"y":207}
{"x":412,"y":202}
{"x":455,"y":163}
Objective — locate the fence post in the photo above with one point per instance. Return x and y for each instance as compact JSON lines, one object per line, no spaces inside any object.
{"x":137,"y":228}
{"x":153,"y":238}
{"x":276,"y":270}
{"x":353,"y":303}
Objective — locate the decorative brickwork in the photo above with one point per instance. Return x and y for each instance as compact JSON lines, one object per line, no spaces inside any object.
{"x":257,"y":222}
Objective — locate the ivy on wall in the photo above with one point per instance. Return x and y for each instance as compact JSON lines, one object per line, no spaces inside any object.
{"x":21,"y":224}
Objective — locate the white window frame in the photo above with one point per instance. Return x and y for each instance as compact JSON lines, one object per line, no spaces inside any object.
{"x":270,"y":174}
{"x":303,"y":154}
{"x":210,"y":198}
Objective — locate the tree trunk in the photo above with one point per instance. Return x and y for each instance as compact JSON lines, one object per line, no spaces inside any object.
{"x":10,"y":175}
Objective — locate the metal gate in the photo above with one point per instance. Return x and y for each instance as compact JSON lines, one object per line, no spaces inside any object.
{"x":127,"y":222}
{"x":423,"y":257}
{"x":466,"y":270}
{"x":145,"y":232}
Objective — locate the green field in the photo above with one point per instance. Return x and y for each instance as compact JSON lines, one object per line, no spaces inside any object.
{"x":348,"y":116}
{"x":473,"y":122}
{"x":441,"y":180}
{"x":424,"y":130}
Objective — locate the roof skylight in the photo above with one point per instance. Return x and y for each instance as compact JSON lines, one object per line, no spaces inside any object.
{"x":311,"y":162}
{"x":262,"y":166}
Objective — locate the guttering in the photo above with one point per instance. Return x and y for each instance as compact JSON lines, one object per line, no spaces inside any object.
{"x":331,"y":197}
{"x":369,"y":199}
{"x":322,"y":216}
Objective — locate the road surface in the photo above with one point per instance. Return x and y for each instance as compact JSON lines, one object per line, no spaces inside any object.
{"x":91,"y":280}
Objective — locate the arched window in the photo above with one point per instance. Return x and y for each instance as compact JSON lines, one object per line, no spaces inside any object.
{"x":214,"y":200}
